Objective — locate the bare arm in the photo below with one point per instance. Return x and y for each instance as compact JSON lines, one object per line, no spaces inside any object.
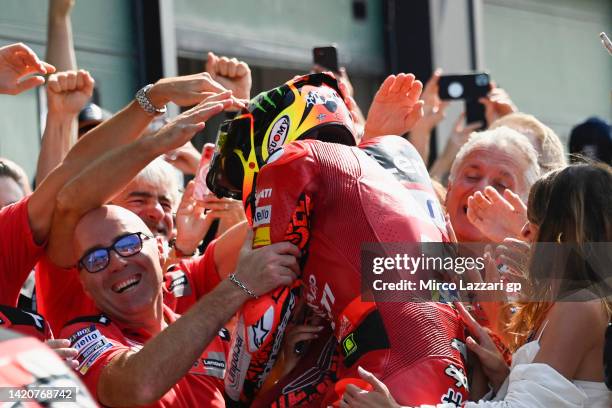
{"x":60,"y":46}
{"x":67,"y":93}
{"x":142,"y":378}
{"x":109,"y":174}
{"x":121,"y":129}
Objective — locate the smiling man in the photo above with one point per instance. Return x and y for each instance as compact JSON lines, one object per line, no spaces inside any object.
{"x":502,"y":159}
{"x":137,"y":351}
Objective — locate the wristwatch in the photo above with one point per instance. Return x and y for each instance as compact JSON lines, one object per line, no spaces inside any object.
{"x":145,"y":103}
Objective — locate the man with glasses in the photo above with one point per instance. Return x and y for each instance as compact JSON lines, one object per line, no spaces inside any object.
{"x":138,"y":351}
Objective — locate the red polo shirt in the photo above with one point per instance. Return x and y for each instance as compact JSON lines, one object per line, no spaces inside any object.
{"x":18,"y":251}
{"x":61,"y":297}
{"x":99,"y":340}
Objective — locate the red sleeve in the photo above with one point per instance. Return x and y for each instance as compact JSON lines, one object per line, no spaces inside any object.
{"x":18,"y":251}
{"x":97,"y":345}
{"x":282,"y":187}
{"x":203,"y":271}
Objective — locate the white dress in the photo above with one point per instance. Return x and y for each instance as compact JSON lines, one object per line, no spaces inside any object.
{"x":537,"y":385}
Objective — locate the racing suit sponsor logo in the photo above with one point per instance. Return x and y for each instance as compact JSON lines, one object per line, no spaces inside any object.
{"x":452,"y":397}
{"x":265,"y":193}
{"x":262,"y":237}
{"x":177,"y":283}
{"x":458,"y":375}
{"x":260,"y":330}
{"x":239,"y":363}
{"x":90,"y":344}
{"x":349,"y":345}
{"x":278,"y":134}
{"x":262,"y":216}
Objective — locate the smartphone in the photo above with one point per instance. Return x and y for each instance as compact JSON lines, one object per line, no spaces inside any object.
{"x":467,"y":87}
{"x":201,"y":189}
{"x":327,"y":57}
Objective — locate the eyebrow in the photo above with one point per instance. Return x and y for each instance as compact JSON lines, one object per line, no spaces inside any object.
{"x":144,"y":194}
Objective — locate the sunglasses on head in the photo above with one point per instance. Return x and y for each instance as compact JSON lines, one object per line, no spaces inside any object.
{"x":125,"y":246}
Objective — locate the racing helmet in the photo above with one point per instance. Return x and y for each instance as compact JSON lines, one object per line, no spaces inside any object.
{"x":306,"y":107}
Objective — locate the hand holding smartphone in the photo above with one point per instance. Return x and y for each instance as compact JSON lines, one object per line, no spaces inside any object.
{"x":470,"y":88}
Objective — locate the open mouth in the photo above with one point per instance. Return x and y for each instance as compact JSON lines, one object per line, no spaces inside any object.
{"x":127,"y":284}
{"x":465,"y":209}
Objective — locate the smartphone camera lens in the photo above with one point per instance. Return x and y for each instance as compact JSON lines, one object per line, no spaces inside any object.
{"x":455,"y":90}
{"x":482,"y":80}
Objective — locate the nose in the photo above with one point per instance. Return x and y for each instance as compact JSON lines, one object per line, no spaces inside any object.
{"x":116,"y":262}
{"x":154,"y":213}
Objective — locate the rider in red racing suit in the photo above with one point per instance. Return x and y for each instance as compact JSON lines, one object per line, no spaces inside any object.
{"x":328,"y":199}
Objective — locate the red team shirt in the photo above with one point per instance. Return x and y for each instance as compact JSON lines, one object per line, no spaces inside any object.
{"x":99,"y":340}
{"x":18,"y":251}
{"x":61,"y":297}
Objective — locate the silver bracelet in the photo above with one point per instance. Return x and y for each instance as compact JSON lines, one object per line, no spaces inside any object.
{"x":143,"y":100}
{"x":241,"y":285}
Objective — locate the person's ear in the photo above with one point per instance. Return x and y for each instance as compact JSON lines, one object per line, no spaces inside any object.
{"x":161,"y":249}
{"x":448,"y":190}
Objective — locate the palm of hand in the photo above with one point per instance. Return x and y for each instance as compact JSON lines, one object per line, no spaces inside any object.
{"x":392,"y":112}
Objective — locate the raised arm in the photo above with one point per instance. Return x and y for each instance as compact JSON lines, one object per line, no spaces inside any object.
{"x":60,"y":46}
{"x":109,"y":174}
{"x":121,"y":129}
{"x":67,"y":93}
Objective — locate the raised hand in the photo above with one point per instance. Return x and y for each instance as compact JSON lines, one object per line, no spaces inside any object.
{"x":481,"y":344}
{"x":69,"y":91}
{"x":395,"y":108}
{"x":497,"y":104}
{"x":16,"y":62}
{"x":266,"y":268}
{"x":356,"y":397}
{"x":497,"y":216}
{"x":232,"y":74}
{"x":186,"y":90}
{"x":182,"y":128}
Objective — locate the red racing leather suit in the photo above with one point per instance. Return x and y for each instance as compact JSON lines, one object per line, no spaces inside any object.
{"x":329,"y":199}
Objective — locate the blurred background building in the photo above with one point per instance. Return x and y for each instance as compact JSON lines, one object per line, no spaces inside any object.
{"x":545,"y":53}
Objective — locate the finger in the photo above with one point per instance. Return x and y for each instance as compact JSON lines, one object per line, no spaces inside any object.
{"x":211,"y":63}
{"x":53,"y":84}
{"x":406,"y":84}
{"x":242,"y":69}
{"x":459,"y":123}
{"x":515,"y":201}
{"x":222,"y":66}
{"x":480,"y":200}
{"x":496,"y":199}
{"x":232,"y":67}
{"x":74,"y":364}
{"x":471,"y":127}
{"x":66,"y":353}
{"x":285,"y":248}
{"x":472,"y":325}
{"x":386,"y":85}
{"x":61,"y":79}
{"x":476,"y":348}
{"x":71,"y":80}
{"x":30,"y":83}
{"x":214,"y":97}
{"x":80,"y":80}
{"x":47,"y":68}
{"x":415,"y":92}
{"x":58,"y":343}
{"x":415,"y":114}
{"x":431,"y":86}
{"x":396,"y":86}
{"x":370,"y":378}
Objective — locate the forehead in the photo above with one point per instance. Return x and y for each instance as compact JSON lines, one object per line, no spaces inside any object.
{"x":492,"y":159}
{"x":159,"y":188}
{"x":101,"y":230}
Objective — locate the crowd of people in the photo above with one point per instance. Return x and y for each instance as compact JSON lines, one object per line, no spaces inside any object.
{"x":121,"y":279}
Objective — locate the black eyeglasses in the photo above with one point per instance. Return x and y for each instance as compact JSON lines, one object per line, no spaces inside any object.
{"x":125,"y":246}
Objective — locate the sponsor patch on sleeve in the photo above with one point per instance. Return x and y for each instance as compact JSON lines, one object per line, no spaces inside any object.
{"x":262,"y":216}
{"x":90,"y":344}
